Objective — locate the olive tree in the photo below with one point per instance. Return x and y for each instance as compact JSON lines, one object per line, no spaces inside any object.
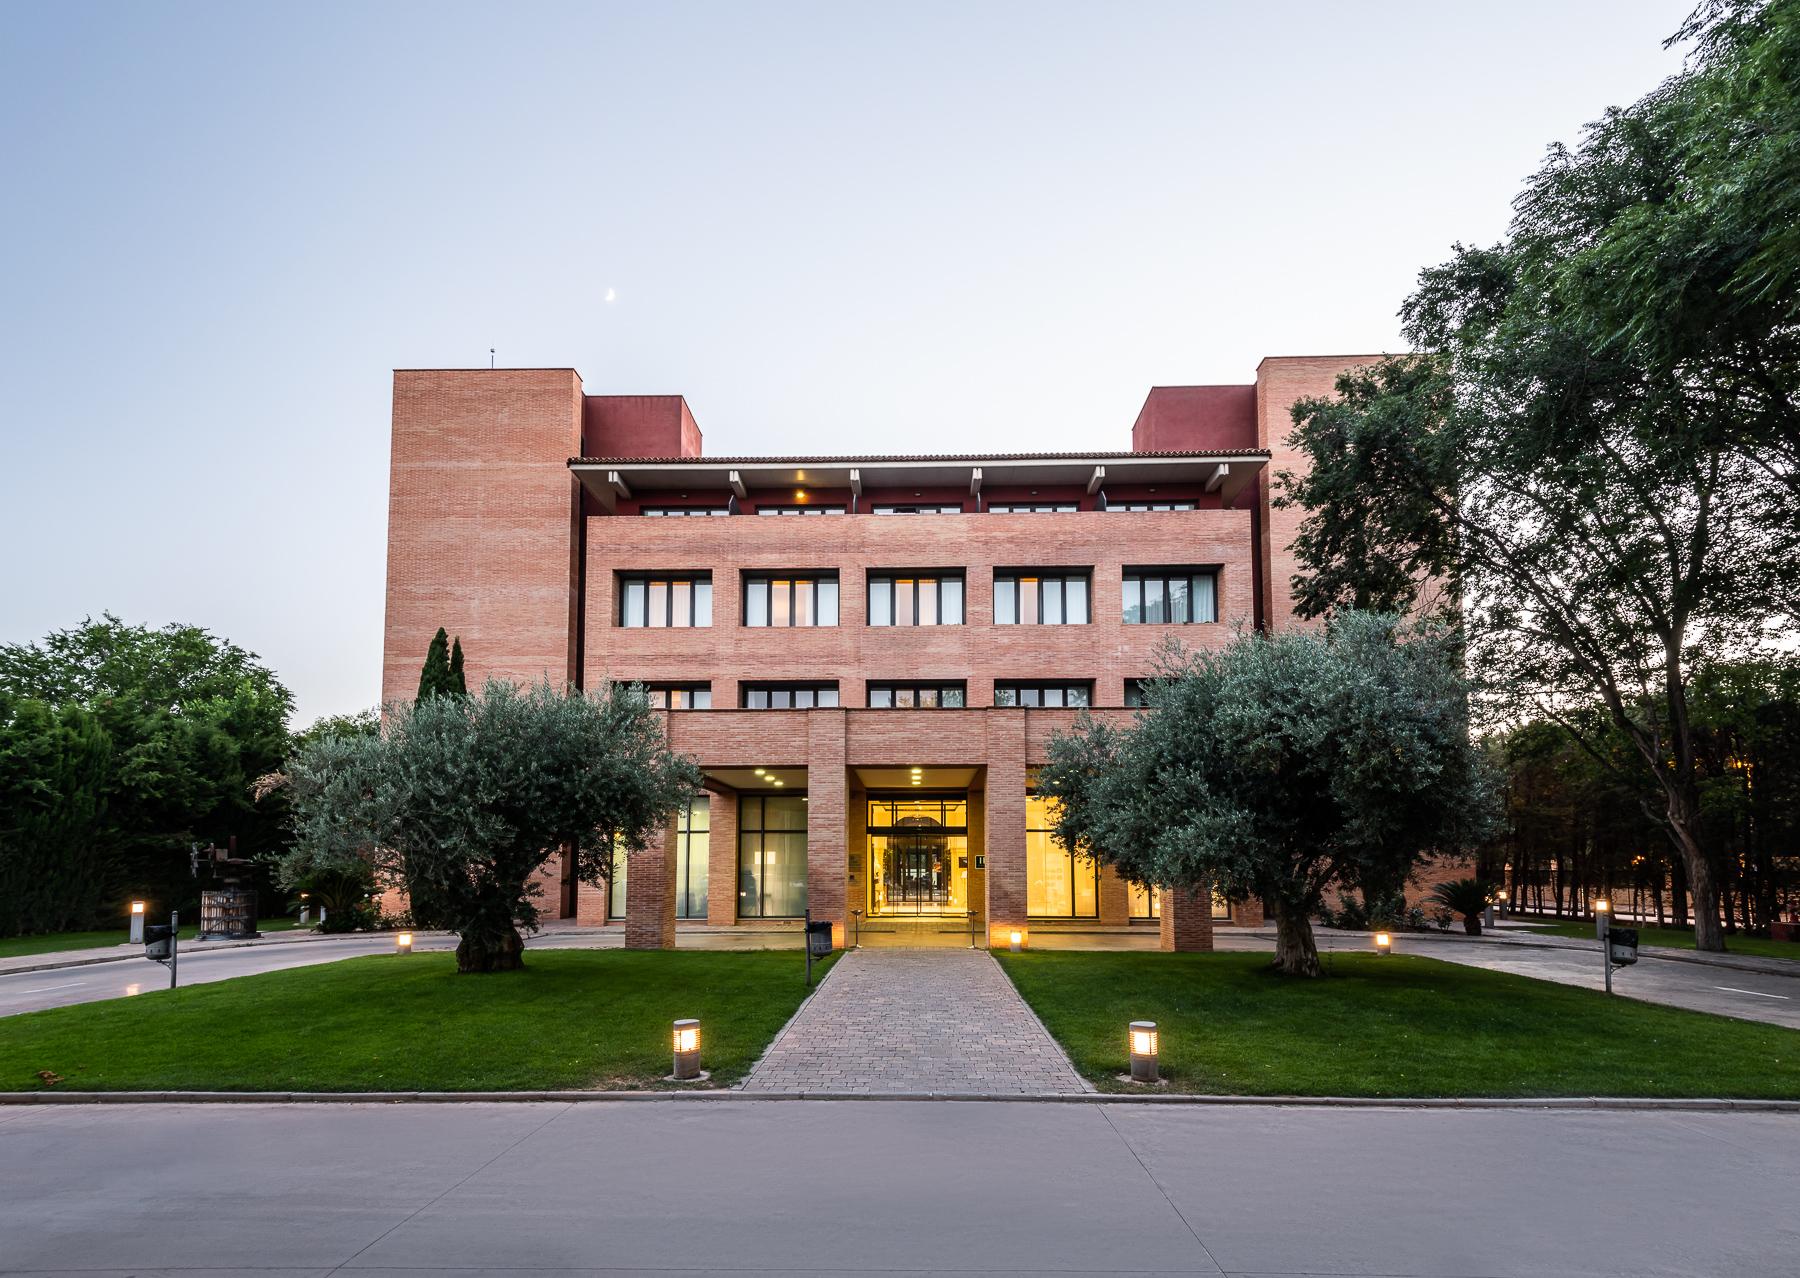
{"x":1280,"y":766}
{"x":470,"y":797}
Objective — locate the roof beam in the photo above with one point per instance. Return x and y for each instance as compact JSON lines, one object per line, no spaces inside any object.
{"x":1098,"y":478}
{"x":737,"y":485}
{"x":856,"y":483}
{"x":1216,"y":480}
{"x":618,"y":483}
{"x":975,"y":482}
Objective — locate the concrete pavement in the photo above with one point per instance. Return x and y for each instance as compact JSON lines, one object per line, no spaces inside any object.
{"x":893,"y":1187}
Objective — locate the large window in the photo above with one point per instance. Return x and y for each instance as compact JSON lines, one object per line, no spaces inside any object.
{"x":1056,"y":693}
{"x":1146,"y":903}
{"x":693,"y":844}
{"x":916,"y":509}
{"x":680,"y":696}
{"x":1032,"y":507}
{"x":793,"y":600}
{"x":675,"y":511}
{"x":771,"y":856}
{"x":1151,"y":505}
{"x":684,"y":600}
{"x":787,"y":696}
{"x":1059,"y":884}
{"x":1169,"y":596}
{"x":917,"y":696}
{"x":1040,"y":599}
{"x":799,"y":510}
{"x":924,"y":599}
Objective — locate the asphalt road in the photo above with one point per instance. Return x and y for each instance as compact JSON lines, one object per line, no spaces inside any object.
{"x":894,"y":1188}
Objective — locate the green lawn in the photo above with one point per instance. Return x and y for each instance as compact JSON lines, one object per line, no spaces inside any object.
{"x":571,"y":1019}
{"x":1675,"y":938}
{"x":1390,"y":1026}
{"x":54,"y":942}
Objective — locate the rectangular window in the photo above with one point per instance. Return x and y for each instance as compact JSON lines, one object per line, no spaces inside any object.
{"x":1033,"y":507}
{"x":683,"y":600}
{"x":692,"y":868}
{"x":673,"y":511}
{"x":1057,"y":694}
{"x":1134,"y":691}
{"x":917,"y":510}
{"x":787,"y":696}
{"x":1040,"y":599}
{"x":792,"y":600}
{"x":799,"y":510}
{"x":1059,"y":884}
{"x":680,"y":696}
{"x":917,"y":696}
{"x":1151,"y":505}
{"x":1145,"y":902}
{"x":1169,"y":596}
{"x":771,"y":856}
{"x":923,"y":599}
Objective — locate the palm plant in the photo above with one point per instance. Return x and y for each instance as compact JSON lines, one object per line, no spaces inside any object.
{"x":1467,"y":897}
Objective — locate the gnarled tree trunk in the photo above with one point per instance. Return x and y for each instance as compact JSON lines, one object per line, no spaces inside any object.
{"x":1295,"y":952}
{"x":486,"y":951}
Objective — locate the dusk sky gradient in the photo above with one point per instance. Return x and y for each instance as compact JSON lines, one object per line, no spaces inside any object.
{"x":834,"y":227}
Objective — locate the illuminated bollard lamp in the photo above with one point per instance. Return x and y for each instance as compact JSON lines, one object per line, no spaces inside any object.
{"x":1015,"y":939}
{"x":1143,"y":1052}
{"x":687,"y":1049}
{"x":137,"y":923}
{"x":403,"y":942}
{"x":1384,"y":943}
{"x":1602,"y":909}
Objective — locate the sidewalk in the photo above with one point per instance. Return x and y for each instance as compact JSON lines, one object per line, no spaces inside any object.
{"x":52,"y":959}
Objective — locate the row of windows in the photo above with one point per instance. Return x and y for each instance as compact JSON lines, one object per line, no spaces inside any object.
{"x":771,"y":865}
{"x":926,"y":508}
{"x":886,"y":695}
{"x":1162,"y":596}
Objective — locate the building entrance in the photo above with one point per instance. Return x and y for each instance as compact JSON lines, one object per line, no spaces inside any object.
{"x":918,"y":856}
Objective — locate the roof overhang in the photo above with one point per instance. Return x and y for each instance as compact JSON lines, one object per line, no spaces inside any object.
{"x":608,"y":478}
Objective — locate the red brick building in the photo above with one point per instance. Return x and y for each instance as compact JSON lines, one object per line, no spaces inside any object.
{"x":865,"y":654}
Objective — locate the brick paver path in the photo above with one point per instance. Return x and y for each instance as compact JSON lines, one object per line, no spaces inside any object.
{"x":915,"y":1021}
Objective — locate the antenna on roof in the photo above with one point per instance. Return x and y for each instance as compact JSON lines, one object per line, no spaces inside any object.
{"x":490,"y":357}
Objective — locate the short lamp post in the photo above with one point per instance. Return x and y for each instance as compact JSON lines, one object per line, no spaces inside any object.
{"x":687,"y":1049}
{"x":1384,"y":943}
{"x":1501,"y":897}
{"x":137,"y":922}
{"x":1014,"y":940}
{"x":1602,"y":912}
{"x":403,"y":942}
{"x":1143,"y":1052}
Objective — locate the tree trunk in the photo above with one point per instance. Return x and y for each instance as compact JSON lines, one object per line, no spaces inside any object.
{"x":1295,"y":952}
{"x":1702,"y":885}
{"x":1472,"y":924}
{"x":490,"y":950}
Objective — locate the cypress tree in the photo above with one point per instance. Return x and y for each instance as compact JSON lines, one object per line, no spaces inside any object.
{"x":434,"y":679}
{"x":457,"y":685}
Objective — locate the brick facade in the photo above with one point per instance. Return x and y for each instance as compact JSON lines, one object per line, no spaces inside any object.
{"x":516,"y":515}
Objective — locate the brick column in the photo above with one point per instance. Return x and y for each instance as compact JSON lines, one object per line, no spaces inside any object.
{"x":827,"y":835}
{"x":722,"y":860}
{"x":650,"y":894}
{"x":545,"y":887}
{"x":1115,"y":898}
{"x":1187,"y":922}
{"x":1247,"y":913}
{"x":1004,"y":810}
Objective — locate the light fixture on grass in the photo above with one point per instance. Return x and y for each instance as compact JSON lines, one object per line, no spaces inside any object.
{"x":687,"y":1048}
{"x":1143,"y":1052}
{"x":403,"y":942}
{"x":1384,"y":943}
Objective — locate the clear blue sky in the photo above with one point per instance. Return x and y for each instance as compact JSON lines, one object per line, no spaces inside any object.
{"x":833,"y":227}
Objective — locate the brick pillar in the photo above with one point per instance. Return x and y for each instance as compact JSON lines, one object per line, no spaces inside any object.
{"x":827,"y":834}
{"x":1115,"y":898}
{"x":722,"y":860}
{"x":545,"y":887}
{"x":1187,"y":922}
{"x":650,"y":893}
{"x":1247,"y":913}
{"x":1004,"y":809}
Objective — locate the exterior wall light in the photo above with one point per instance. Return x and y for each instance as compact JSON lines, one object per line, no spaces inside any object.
{"x":403,"y":942}
{"x":687,"y":1049}
{"x":1384,"y":943}
{"x":137,"y":922}
{"x":1015,"y":939}
{"x":1143,"y":1052}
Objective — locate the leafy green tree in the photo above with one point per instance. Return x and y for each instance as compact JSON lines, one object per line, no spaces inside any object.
{"x":191,"y":718}
{"x":1280,"y":766}
{"x":434,"y":677}
{"x":1595,"y":454}
{"x":471,"y":796}
{"x":53,"y":773}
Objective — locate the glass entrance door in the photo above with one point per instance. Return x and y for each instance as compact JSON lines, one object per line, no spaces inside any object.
{"x":918,"y":859}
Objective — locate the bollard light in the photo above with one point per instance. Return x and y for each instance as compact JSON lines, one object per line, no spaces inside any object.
{"x":687,"y":1049}
{"x":1014,"y":939}
{"x":403,"y":942}
{"x":1384,"y":943}
{"x":1602,"y":908}
{"x":1143,"y":1052}
{"x":137,"y":923}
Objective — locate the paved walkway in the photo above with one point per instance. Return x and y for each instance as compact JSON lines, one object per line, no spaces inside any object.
{"x":915,"y":1021}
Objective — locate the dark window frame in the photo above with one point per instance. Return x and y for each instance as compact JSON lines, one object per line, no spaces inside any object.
{"x":1133,"y":580}
{"x":891,"y":579}
{"x":1007,"y":586}
{"x":938,"y":687}
{"x":675,"y":512}
{"x":916,"y":508}
{"x":668,"y":580}
{"x":761,"y":830}
{"x":1022,"y":688}
{"x":801,"y":510}
{"x":690,"y":687}
{"x":769,"y":688}
{"x":794,"y":580}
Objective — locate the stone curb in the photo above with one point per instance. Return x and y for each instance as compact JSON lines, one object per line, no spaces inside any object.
{"x":194,"y":947}
{"x":724,"y":1095}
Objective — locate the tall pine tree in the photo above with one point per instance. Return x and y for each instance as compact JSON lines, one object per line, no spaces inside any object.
{"x":457,"y":685}
{"x":434,"y":679}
